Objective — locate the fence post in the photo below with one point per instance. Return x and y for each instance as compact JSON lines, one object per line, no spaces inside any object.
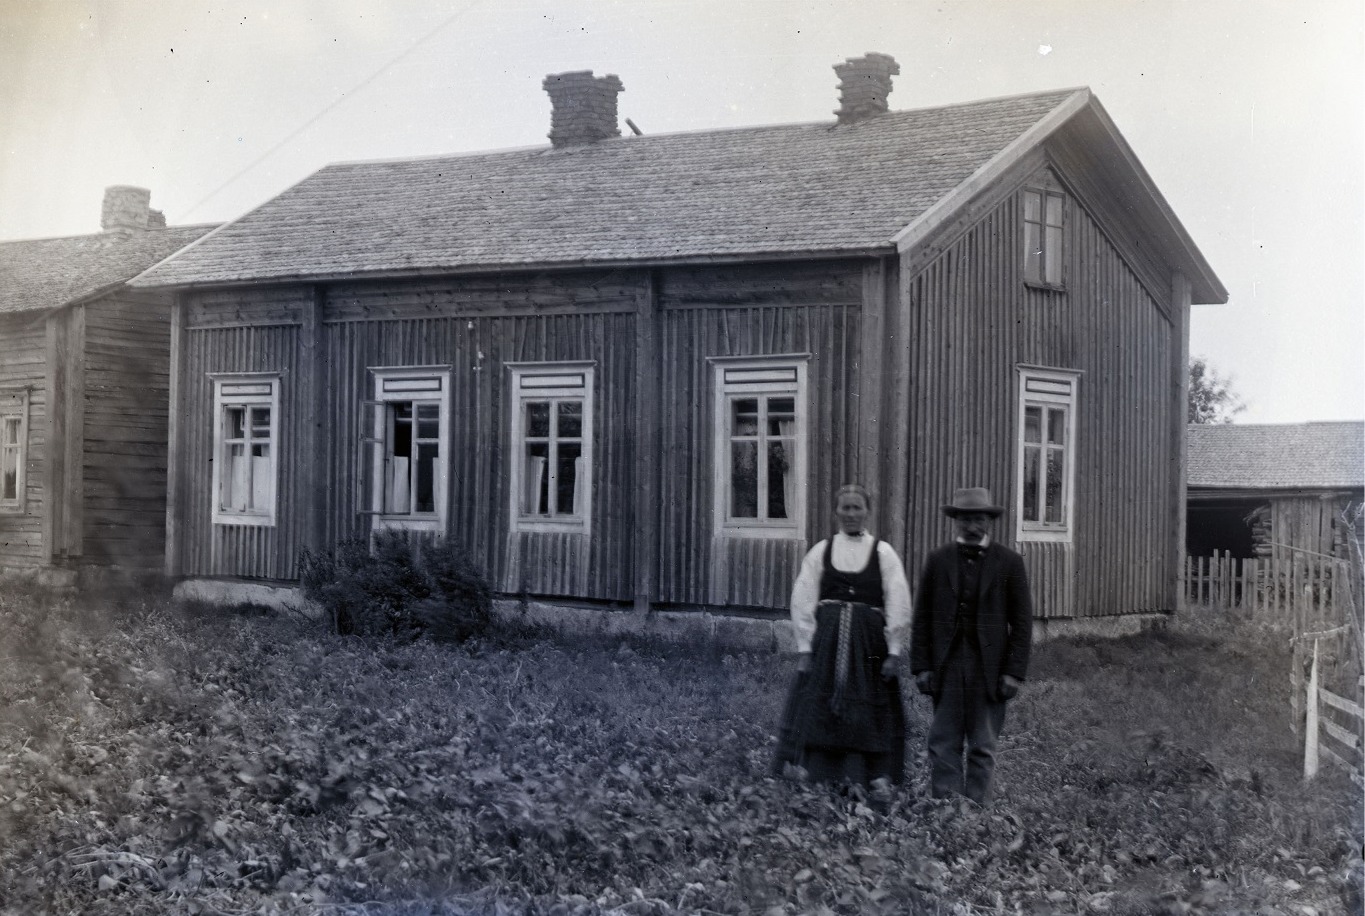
{"x":1310,"y":725}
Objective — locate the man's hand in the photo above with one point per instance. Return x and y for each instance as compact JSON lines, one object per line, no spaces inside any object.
{"x":891,"y":667}
{"x":1009,"y":686}
{"x":924,"y":681}
{"x":803,"y":663}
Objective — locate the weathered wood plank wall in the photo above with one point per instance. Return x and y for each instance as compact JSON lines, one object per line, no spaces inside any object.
{"x":973,"y":321}
{"x":23,"y":365}
{"x":127,"y":341}
{"x":213,"y":345}
{"x":714,"y":312}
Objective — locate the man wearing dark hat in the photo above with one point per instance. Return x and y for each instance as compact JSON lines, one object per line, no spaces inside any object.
{"x":972,"y":629}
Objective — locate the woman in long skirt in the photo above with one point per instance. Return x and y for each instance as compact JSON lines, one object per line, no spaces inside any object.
{"x":844,"y":721}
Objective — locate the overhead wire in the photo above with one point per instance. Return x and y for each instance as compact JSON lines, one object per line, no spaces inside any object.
{"x":345,"y":96}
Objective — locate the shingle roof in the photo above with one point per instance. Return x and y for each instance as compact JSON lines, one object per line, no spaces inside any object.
{"x":1301,"y":455}
{"x":45,"y":273}
{"x":805,"y":188}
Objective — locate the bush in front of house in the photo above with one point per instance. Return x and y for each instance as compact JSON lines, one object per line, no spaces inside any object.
{"x":400,"y":586}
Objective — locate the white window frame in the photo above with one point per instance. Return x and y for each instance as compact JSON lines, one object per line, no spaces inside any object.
{"x":245,"y":390}
{"x":14,"y":406}
{"x":417,"y":385}
{"x":556,"y":382}
{"x":737,"y":377}
{"x":1047,"y":388}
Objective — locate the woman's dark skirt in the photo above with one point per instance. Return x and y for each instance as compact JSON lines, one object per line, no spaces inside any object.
{"x":843,"y":721}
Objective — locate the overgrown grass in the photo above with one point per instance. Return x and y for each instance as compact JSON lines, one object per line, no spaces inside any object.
{"x":155,"y":759}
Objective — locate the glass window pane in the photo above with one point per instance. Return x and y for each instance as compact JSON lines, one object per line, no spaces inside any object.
{"x":1033,"y":424}
{"x":236,"y":422}
{"x":781,"y":416}
{"x":1053,"y":262}
{"x":427,"y":455}
{"x":744,"y":480}
{"x":1054,"y":487}
{"x":1054,"y":209}
{"x":1056,"y":426}
{"x":570,"y":419}
{"x":9,"y":474}
{"x":428,"y":421}
{"x":401,"y":445}
{"x":1033,"y":254}
{"x":260,"y":422}
{"x":1033,"y":205}
{"x":568,"y":462}
{"x":11,"y":431}
{"x":780,"y":481}
{"x":538,"y":419}
{"x":1031,"y":468}
{"x":236,"y":478}
{"x":745,"y":417}
{"x":535,"y":484}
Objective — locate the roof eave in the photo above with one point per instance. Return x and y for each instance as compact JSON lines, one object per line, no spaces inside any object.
{"x":945,"y":207}
{"x":423,"y":272}
{"x":1206,"y":288}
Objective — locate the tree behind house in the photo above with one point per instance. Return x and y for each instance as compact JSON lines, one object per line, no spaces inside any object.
{"x":1210,"y":398}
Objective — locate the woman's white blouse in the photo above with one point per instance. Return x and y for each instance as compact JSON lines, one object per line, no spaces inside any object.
{"x":850,"y":555}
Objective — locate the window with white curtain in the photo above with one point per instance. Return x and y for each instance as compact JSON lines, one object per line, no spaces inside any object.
{"x":13,"y":451}
{"x":1046,"y":455}
{"x":552,"y":446}
{"x":760,"y":446}
{"x":407,"y":463}
{"x":246,"y":449}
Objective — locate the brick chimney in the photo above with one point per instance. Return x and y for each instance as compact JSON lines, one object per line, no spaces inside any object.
{"x":864,"y":84}
{"x":584,"y":107}
{"x":126,"y":208}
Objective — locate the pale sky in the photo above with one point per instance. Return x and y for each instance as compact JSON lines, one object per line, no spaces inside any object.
{"x":1248,"y":114}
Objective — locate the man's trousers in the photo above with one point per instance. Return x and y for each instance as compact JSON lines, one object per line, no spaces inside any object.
{"x":963,"y":717}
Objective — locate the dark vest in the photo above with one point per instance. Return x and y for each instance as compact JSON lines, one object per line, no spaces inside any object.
{"x":968,"y":594}
{"x":864,"y":585}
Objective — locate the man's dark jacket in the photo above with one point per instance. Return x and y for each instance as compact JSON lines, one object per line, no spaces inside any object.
{"x":1004,"y":615}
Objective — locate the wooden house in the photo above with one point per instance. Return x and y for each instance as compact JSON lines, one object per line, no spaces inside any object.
{"x":84,"y":365}
{"x":1268,"y":490}
{"x":635,"y":369}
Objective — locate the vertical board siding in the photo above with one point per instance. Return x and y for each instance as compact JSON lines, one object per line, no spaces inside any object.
{"x":713,"y":313}
{"x":972,"y":321}
{"x":251,"y":551}
{"x":23,"y":364}
{"x":477,"y":346}
{"x":127,"y":353}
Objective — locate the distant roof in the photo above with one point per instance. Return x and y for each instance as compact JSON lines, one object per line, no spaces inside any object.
{"x":790,"y":190}
{"x":1288,"y":456}
{"x":39,"y":274}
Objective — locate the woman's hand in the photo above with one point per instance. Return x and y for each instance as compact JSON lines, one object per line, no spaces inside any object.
{"x":803,"y":663}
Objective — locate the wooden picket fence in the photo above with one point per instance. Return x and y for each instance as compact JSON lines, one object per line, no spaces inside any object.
{"x":1297,"y":589}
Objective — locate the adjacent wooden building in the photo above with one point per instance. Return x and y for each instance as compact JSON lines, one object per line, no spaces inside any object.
{"x":1276,"y":490}
{"x":84,"y":373}
{"x":635,"y":369}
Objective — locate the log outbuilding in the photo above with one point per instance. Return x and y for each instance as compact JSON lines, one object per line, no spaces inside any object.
{"x":84,"y":376}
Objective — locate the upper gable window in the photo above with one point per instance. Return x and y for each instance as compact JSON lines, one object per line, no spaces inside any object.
{"x":552,"y":446}
{"x":760,"y":447}
{"x":1044,"y":222}
{"x":13,"y":451}
{"x":246,"y":448}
